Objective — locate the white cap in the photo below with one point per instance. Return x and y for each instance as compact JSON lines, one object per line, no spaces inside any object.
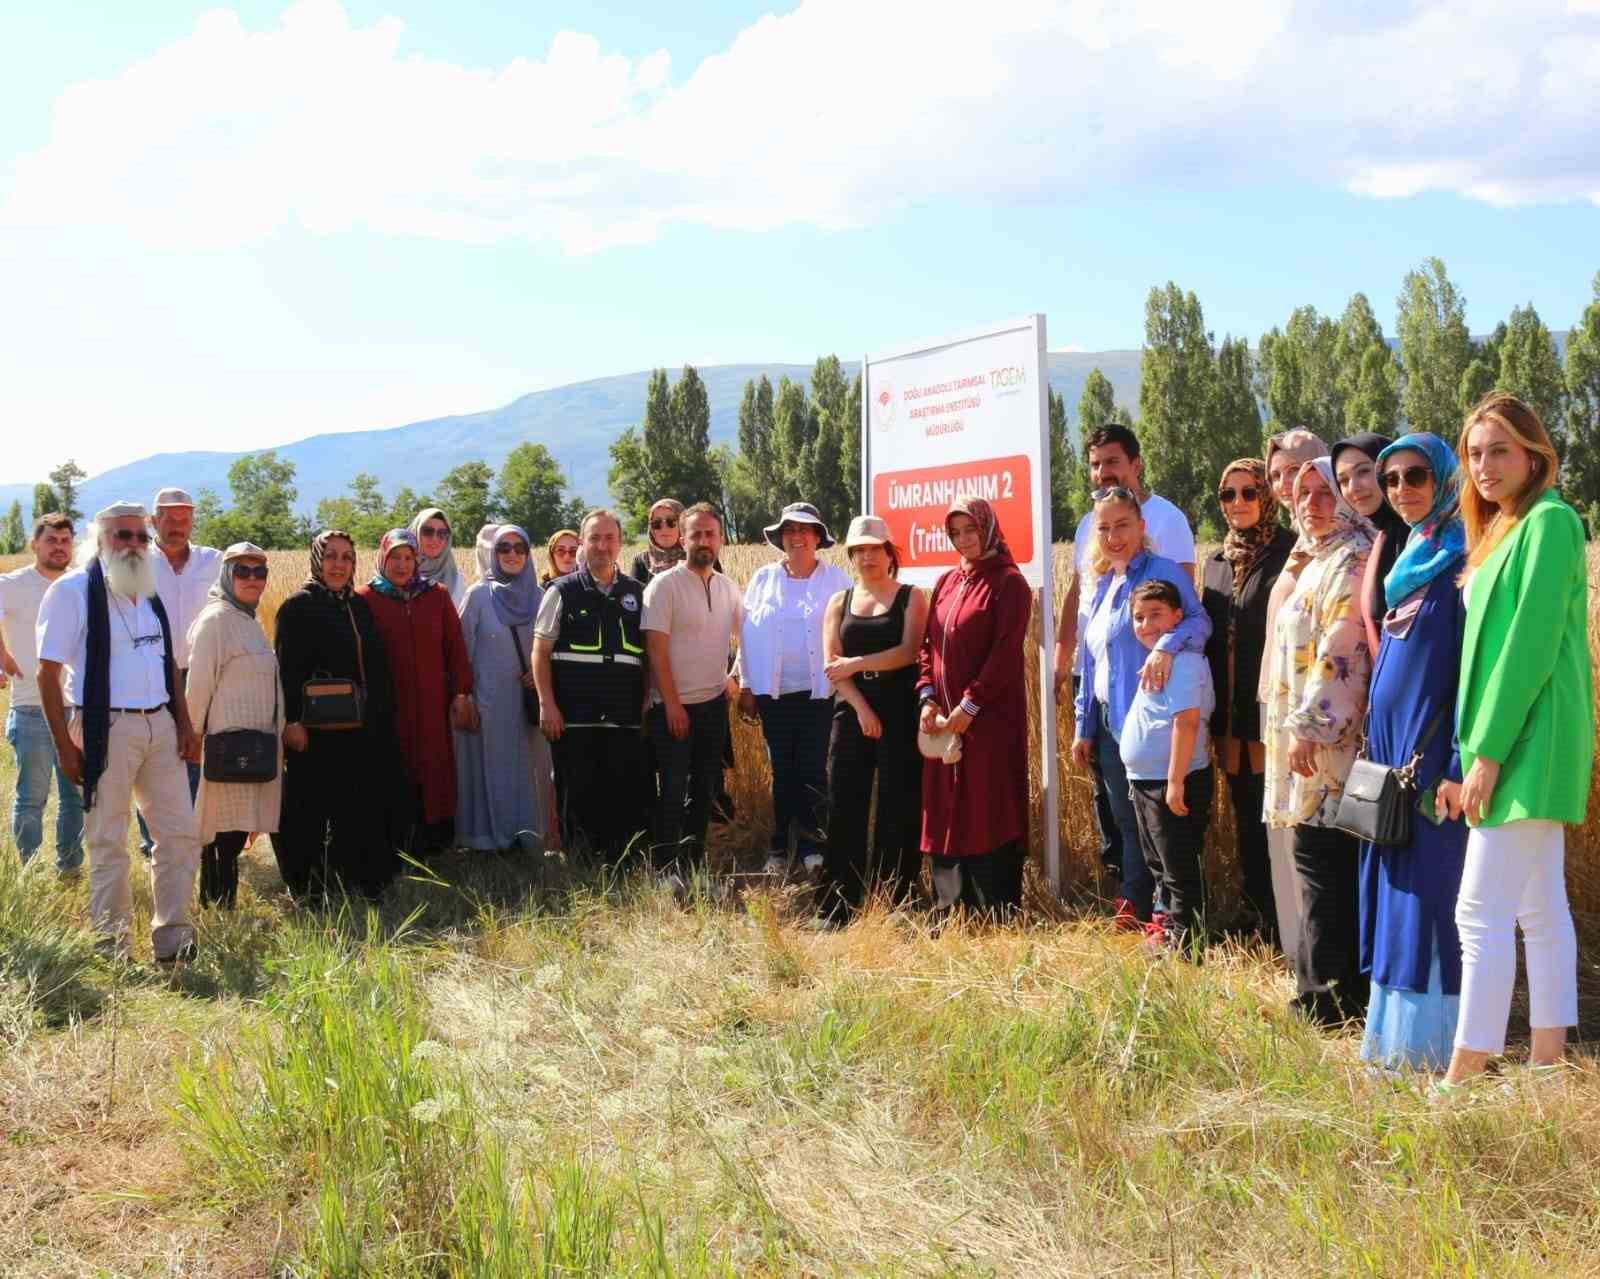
{"x":172,"y":497}
{"x":121,"y":511}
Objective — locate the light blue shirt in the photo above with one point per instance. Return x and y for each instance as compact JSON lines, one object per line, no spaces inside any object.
{"x":1147,"y":732}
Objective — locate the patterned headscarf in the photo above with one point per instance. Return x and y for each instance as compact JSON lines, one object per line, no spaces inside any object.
{"x":982,"y":514}
{"x":1348,"y":523}
{"x":1440,"y":540}
{"x":319,"y":548}
{"x":417,"y":584}
{"x":515,"y":599}
{"x":222,"y":590}
{"x":661,"y":558}
{"x":440,"y":568}
{"x":1243,"y":547}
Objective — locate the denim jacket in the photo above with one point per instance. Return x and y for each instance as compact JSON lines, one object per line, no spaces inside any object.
{"x":1123,"y":649}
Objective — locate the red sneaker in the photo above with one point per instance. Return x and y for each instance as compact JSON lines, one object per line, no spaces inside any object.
{"x":1125,"y":920}
{"x":1156,"y":929}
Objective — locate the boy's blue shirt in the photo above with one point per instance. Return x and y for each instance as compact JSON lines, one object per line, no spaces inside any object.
{"x":1147,"y":732}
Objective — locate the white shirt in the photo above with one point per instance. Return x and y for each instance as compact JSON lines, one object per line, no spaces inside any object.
{"x":1097,"y":641}
{"x":138,"y":657}
{"x":774,"y":603}
{"x":20,"y":594}
{"x":1170,"y":537}
{"x":183,"y":594}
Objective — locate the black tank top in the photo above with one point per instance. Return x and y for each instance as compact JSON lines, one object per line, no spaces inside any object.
{"x":860,"y":636}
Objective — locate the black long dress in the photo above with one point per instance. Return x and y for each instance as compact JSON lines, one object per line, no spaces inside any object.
{"x":343,"y":797}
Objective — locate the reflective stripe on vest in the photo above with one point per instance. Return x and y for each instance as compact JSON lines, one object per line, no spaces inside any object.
{"x":626,"y":659}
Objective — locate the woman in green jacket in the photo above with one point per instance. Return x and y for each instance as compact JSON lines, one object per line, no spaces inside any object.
{"x":1525,"y":718}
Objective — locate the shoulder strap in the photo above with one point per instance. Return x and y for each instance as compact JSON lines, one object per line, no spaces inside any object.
{"x":361,"y":660}
{"x":516,"y":642}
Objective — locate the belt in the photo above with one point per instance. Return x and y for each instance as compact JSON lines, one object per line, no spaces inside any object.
{"x":139,"y":710}
{"x":626,"y":659}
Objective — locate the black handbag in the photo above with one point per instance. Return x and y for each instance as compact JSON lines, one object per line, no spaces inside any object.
{"x":1380,"y":800}
{"x":336,"y":704}
{"x":243,"y":754}
{"x":530,"y":696}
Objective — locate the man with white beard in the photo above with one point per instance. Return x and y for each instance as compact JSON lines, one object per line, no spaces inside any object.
{"x":109,"y":687}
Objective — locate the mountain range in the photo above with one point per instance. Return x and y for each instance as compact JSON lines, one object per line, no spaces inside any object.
{"x":577,"y":423}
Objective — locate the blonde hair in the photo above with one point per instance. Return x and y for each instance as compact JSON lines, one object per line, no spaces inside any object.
{"x":1487,"y":525}
{"x":1099,"y":561}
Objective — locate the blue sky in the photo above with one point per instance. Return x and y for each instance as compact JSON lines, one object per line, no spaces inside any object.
{"x":233,"y":226}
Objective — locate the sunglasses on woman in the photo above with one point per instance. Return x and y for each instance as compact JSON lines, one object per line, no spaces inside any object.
{"x":1248,"y":493}
{"x":667,"y":523}
{"x":510,"y":548}
{"x":1113,"y":490}
{"x":1414,"y":477}
{"x":434,"y":531}
{"x":244,"y":572}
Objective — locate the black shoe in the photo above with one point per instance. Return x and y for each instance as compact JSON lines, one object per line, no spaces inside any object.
{"x":185,"y":954}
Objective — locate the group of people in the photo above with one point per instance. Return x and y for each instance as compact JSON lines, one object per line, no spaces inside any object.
{"x":1410,"y":603}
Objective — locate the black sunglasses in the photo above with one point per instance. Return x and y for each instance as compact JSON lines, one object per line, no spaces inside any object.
{"x":669,"y":523}
{"x":128,"y":535}
{"x":1113,"y":490}
{"x":1415,"y":477}
{"x":433,"y":530}
{"x":510,"y":548}
{"x":1248,"y":493}
{"x":258,"y":571}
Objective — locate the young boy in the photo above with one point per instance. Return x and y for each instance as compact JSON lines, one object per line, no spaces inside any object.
{"x":1164,"y":749}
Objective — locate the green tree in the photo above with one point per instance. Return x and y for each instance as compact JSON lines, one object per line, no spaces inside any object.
{"x":1580,"y":465}
{"x":752,"y":476}
{"x":1368,"y":377}
{"x":263,"y":489}
{"x":794,"y":433}
{"x":1097,"y":407}
{"x":834,"y":486}
{"x":532,"y":493}
{"x":13,"y":532}
{"x":1299,"y":373}
{"x":1234,"y":423}
{"x":209,"y":529}
{"x":45,"y":500}
{"x":1177,"y":395}
{"x":66,"y":480}
{"x":467,"y":495}
{"x":850,"y":458}
{"x":1064,"y":511}
{"x":1435,"y":349}
{"x":669,"y":454}
{"x":1531,"y":369}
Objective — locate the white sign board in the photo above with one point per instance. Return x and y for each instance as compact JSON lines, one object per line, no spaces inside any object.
{"x":968,"y":416}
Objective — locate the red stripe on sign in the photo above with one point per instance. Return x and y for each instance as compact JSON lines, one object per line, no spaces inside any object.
{"x":913,"y":504}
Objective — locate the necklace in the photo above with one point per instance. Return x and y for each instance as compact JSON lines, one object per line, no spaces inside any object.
{"x":122,"y":617}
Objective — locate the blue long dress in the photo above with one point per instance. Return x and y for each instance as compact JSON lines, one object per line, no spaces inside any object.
{"x":1409,"y":943}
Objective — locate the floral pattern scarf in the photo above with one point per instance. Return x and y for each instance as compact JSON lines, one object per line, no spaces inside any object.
{"x":319,"y":548}
{"x":418,"y":583}
{"x":1243,"y":547}
{"x":982,"y":514}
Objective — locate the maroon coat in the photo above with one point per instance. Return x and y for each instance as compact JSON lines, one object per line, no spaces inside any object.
{"x":972,"y":651}
{"x":428,"y":665}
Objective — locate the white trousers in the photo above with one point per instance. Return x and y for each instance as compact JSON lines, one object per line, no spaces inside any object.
{"x":1514,"y":875}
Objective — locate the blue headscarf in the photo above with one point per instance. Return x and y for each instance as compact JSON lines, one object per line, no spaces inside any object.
{"x":515,"y":599}
{"x":1440,"y":540}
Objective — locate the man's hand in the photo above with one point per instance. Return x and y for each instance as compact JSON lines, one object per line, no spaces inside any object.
{"x":1303,"y":757}
{"x":1153,"y":674}
{"x":70,"y":760}
{"x":295,"y":737}
{"x":552,"y":723}
{"x":9,"y":669}
{"x":678,"y":721}
{"x":189,"y":744}
{"x":1175,"y":800}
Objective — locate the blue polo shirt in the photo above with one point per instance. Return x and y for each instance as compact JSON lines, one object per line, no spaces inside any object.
{"x":1147,"y":732}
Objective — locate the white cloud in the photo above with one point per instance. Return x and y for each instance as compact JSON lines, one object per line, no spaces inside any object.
{"x":832,"y":115}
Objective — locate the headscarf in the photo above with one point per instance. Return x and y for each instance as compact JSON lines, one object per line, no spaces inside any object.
{"x":1348,"y":523}
{"x":440,"y":568}
{"x":418,"y":583}
{"x":222,"y":589}
{"x":661,"y":558}
{"x":319,"y":548}
{"x":515,"y":599}
{"x":982,"y":514}
{"x":1301,"y":445}
{"x":1384,"y":519}
{"x":1440,"y":539}
{"x":1243,"y":547}
{"x":550,"y":550}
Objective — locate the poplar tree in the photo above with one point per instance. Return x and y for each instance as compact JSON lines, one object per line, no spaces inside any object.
{"x":669,"y":454}
{"x":1064,"y":511}
{"x":13,"y":533}
{"x":794,"y":431}
{"x":1435,"y":349}
{"x":1235,"y":417}
{"x":1097,"y":407}
{"x":1368,"y":377}
{"x":1299,"y":373}
{"x":1177,"y":383}
{"x":1531,"y":370}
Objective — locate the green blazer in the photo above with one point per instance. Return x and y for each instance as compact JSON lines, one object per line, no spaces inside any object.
{"x":1527,"y":697}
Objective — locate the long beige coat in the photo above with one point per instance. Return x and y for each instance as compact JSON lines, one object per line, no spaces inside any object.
{"x":233,"y":682}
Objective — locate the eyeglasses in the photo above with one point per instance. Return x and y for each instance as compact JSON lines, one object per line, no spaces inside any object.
{"x":1113,"y":490}
{"x":433,"y":530}
{"x":128,"y":535}
{"x":246,"y":571}
{"x":566,"y":549}
{"x":511,"y":548}
{"x":1248,"y":493}
{"x":1414,"y":477}
{"x":668,"y":523}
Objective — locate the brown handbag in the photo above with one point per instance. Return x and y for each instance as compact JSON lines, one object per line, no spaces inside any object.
{"x":333,"y":704}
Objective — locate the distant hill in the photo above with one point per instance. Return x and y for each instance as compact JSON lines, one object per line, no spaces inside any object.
{"x":577,"y":423}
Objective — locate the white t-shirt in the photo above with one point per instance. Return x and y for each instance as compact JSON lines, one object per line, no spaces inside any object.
{"x":138,"y":657}
{"x":1097,"y":641}
{"x":183,"y":594}
{"x":1170,"y":536}
{"x":20,"y":595}
{"x":794,"y":628}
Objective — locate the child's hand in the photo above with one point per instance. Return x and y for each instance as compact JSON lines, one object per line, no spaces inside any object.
{"x":1175,"y":798}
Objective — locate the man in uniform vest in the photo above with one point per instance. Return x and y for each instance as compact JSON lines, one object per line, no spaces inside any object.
{"x":589,"y":666}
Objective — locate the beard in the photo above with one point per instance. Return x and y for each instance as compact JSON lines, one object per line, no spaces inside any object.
{"x":130,"y":573}
{"x":702,"y":557}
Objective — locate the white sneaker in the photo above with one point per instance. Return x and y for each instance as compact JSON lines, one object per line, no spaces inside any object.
{"x":813,"y":863}
{"x":777,"y":866}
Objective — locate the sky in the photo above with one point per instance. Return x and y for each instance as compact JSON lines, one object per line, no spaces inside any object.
{"x":236,"y":225}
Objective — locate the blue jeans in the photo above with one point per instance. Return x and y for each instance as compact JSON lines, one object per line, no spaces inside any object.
{"x":1138,"y":884}
{"x":30,"y":740}
{"x":796,"y":728}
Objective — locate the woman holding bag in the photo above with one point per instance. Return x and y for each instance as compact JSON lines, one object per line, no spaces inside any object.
{"x":232,"y":685}
{"x":503,"y":770}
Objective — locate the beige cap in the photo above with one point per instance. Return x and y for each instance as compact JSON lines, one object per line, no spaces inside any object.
{"x":121,"y":511}
{"x":867,"y":530}
{"x":171,"y":497}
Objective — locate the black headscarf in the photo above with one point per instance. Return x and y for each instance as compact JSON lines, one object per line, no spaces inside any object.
{"x":1385,"y":519}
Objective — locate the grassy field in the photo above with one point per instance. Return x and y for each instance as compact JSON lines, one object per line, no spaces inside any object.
{"x":517,"y":1067}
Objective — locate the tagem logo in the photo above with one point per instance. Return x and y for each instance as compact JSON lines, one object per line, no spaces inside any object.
{"x":883,"y":407}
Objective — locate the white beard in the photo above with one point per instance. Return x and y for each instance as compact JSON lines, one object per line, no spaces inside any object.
{"x":131,"y":573}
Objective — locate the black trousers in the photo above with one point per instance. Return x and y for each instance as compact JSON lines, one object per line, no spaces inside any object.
{"x":989,"y":885}
{"x":849,"y":869}
{"x":219,"y":868}
{"x":1332,"y":989}
{"x":1248,"y":791}
{"x":350,"y":851}
{"x":1174,"y":847}
{"x":604,"y":788}
{"x":679,"y":831}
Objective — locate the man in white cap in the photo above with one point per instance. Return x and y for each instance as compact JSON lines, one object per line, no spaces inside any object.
{"x":184,"y":575}
{"x":108,"y":683}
